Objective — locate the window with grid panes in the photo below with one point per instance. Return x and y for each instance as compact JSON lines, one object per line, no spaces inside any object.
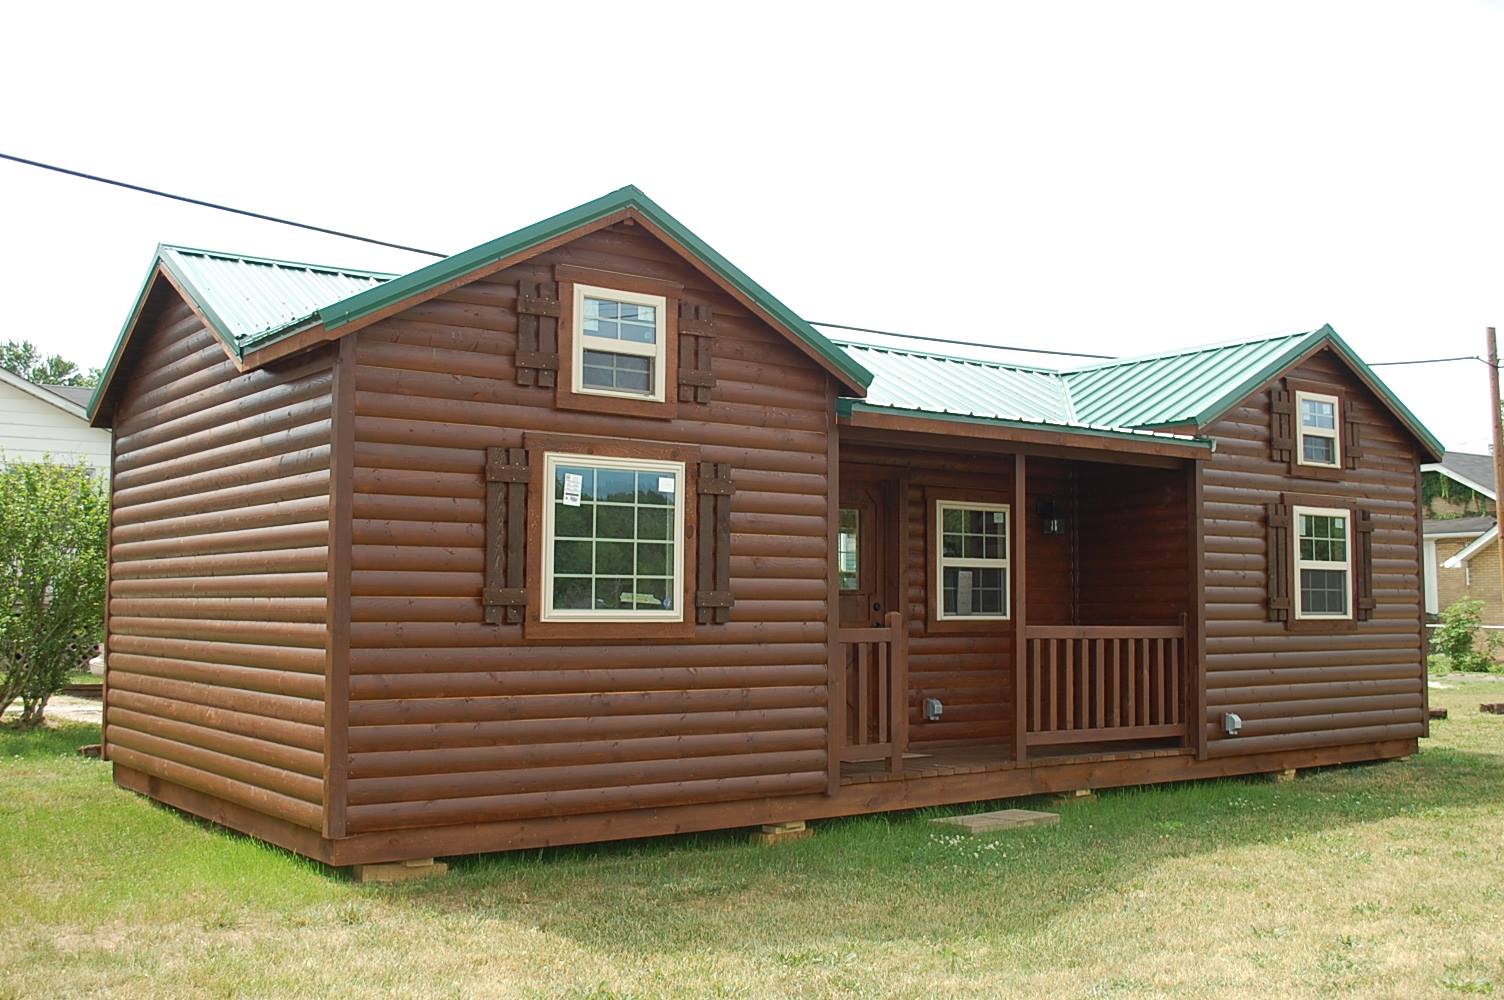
{"x":971,"y":560}
{"x":613,"y":537}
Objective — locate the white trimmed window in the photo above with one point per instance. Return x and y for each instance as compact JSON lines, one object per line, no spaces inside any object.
{"x":971,"y":560}
{"x":613,"y":539}
{"x":1323,"y":563}
{"x":619,"y":343}
{"x":1318,"y":430}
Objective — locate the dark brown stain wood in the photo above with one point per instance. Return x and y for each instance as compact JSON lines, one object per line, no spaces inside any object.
{"x":435,"y":391}
{"x":314,"y":636}
{"x":857,"y":797}
{"x":1362,"y":684}
{"x":226,"y":656}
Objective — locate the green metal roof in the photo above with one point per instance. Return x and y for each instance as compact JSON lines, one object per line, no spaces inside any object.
{"x":250,"y":299}
{"x":938,"y":383}
{"x":1172,"y":388}
{"x":253,"y":302}
{"x":376,"y":298}
{"x":245,"y":299}
{"x":967,"y":390}
{"x":1188,"y":388}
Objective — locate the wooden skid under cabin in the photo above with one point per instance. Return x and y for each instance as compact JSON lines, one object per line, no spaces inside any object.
{"x":582,"y":535}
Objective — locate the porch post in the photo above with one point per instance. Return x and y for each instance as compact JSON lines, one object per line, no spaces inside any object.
{"x":835,"y":655}
{"x":1195,"y":639}
{"x":1019,"y":534}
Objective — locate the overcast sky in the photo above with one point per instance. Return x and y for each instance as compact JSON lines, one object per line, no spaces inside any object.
{"x":1114,"y":178}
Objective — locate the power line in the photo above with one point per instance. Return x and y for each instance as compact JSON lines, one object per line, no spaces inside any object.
{"x":963,"y":343}
{"x":218,"y":207}
{"x":1427,"y":361}
{"x":434,"y":253}
{"x":1078,"y":354}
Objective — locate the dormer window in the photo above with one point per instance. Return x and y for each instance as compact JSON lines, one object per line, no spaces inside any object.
{"x":619,"y":343}
{"x":1319,"y":420}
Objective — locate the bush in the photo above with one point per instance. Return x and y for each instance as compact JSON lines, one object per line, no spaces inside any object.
{"x":1456,"y":638}
{"x":53,"y":525}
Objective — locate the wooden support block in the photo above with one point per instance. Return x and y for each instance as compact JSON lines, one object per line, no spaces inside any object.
{"x":1003,"y":819}
{"x":1438,"y":713}
{"x":399,"y":871}
{"x":1077,"y":795}
{"x":779,"y":833}
{"x":1288,"y":774}
{"x":1492,"y":708}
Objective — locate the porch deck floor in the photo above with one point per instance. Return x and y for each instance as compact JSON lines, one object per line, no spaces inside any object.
{"x":941,"y":761}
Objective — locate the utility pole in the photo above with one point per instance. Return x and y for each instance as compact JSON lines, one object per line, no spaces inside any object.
{"x":1497,"y":423}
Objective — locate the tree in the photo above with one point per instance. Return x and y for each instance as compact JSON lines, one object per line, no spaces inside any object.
{"x":25,"y":359}
{"x":53,"y":523}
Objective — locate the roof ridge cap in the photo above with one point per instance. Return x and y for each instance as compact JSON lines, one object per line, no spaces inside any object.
{"x":846,"y":342}
{"x":1194,"y":349}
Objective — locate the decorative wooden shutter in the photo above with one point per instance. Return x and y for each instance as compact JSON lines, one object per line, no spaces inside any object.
{"x":1363,"y":563}
{"x":696,"y":377}
{"x":1352,"y":443}
{"x":713,"y":566}
{"x":506,"y":534}
{"x":1279,"y":561}
{"x":538,"y":311}
{"x":1282,"y":424}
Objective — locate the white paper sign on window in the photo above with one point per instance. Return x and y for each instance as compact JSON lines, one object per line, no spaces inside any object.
{"x":572,"y":485}
{"x":665,"y":484}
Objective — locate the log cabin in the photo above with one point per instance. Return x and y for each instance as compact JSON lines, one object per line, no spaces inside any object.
{"x":583,"y":535}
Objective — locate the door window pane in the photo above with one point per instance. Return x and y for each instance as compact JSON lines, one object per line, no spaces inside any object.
{"x":848,"y":542}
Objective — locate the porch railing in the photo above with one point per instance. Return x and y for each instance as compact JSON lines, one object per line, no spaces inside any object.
{"x":1089,"y":683}
{"x":874,"y":692}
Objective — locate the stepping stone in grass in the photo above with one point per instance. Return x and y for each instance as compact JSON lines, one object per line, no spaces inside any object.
{"x":1003,"y":819}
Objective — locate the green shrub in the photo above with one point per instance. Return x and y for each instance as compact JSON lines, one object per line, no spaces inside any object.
{"x":53,"y":523}
{"x":1456,"y":638}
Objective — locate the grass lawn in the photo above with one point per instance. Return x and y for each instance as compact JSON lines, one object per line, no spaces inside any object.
{"x":1379,"y":881}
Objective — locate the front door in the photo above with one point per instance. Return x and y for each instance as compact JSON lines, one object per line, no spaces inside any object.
{"x":862,"y":552}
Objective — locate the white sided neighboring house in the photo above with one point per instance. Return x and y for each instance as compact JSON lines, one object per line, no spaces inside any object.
{"x":1461,"y":548}
{"x":39,"y":420}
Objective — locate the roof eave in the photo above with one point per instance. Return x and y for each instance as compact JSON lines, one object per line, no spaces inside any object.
{"x":107,"y":374}
{"x":1325,"y":336}
{"x":533,"y":239}
{"x":166,"y":268}
{"x":1457,"y":477}
{"x":1146,"y":442}
{"x":1465,"y":555}
{"x":42,"y":394}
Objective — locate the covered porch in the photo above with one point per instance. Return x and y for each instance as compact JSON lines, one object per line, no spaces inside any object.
{"x":1088,"y":655}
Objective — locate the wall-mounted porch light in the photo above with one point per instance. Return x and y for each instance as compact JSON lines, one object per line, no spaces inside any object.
{"x":1050,"y":515}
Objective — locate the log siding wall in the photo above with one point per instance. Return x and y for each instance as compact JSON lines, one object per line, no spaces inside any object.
{"x":1134,"y":565}
{"x":218,"y":573}
{"x":456,"y":721}
{"x":1296,"y":689}
{"x":298,"y":644}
